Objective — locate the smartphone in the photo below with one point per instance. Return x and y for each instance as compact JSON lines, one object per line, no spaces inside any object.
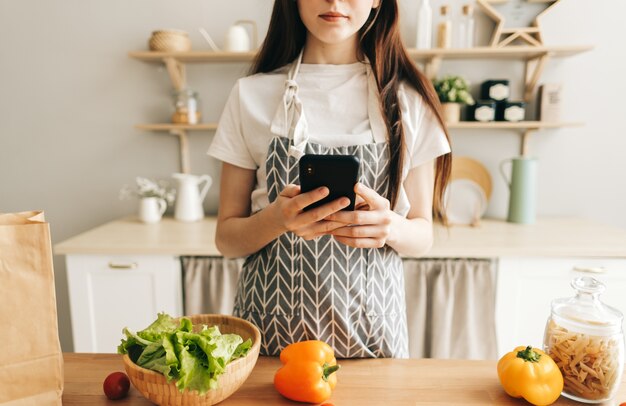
{"x":339,"y":173}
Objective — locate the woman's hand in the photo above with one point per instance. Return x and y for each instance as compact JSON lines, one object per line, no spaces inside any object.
{"x":369,"y":225}
{"x":287,"y":212}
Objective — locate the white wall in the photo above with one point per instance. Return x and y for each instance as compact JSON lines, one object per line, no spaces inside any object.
{"x":71,"y":96}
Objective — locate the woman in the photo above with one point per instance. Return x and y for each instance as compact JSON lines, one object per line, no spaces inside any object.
{"x":332,"y":77}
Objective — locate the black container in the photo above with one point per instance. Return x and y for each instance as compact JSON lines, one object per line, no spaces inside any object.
{"x":482,"y":110}
{"x":496,"y":89}
{"x":512,"y":111}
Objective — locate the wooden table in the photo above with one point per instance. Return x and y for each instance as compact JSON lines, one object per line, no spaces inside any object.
{"x":385,"y":382}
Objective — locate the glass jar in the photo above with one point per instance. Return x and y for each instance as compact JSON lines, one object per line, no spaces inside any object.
{"x":186,"y":107}
{"x":585,"y":339}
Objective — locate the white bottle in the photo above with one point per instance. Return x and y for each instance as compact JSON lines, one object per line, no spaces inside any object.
{"x":424,"y":26}
{"x":466,"y":28}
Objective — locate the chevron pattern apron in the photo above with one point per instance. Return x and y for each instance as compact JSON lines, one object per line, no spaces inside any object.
{"x":295,"y":290}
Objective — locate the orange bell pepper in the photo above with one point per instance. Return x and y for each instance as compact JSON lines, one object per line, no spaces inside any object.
{"x":308,"y":372}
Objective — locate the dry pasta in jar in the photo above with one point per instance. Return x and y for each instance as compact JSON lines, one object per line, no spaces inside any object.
{"x":585,"y":339}
{"x":589,"y":364}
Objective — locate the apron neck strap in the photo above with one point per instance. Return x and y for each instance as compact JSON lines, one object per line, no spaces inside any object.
{"x":289,"y":120}
{"x":295,"y":67}
{"x":377,"y":121}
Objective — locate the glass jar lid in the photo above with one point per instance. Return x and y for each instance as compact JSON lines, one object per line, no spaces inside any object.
{"x":585,"y":312}
{"x":185,"y":93}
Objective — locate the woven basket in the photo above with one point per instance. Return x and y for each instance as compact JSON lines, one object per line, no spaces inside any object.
{"x":169,"y":41}
{"x":154,"y":386}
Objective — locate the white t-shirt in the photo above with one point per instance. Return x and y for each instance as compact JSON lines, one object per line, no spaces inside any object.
{"x":334,"y":98}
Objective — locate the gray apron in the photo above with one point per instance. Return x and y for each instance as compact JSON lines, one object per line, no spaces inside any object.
{"x":295,"y":290}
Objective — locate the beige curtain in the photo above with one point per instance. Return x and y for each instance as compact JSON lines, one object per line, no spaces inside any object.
{"x":450,"y":302}
{"x":451,"y":308}
{"x":210,"y":284}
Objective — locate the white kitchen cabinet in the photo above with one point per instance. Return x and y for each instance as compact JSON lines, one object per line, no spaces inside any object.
{"x":526,"y":286}
{"x":110,"y":292}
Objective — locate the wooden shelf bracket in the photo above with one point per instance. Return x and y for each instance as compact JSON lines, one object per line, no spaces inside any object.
{"x":177,"y":72}
{"x":525,"y":141}
{"x":534,"y":69}
{"x":431,"y":67}
{"x":184,"y":149}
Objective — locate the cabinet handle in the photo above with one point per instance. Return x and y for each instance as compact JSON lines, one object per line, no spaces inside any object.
{"x":113,"y":265}
{"x":590,"y":269}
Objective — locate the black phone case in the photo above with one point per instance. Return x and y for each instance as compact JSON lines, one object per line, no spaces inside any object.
{"x":337,"y":172}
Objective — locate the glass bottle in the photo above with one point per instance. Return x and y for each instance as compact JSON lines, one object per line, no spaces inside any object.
{"x":424,"y":26}
{"x":465,"y":35}
{"x":186,"y":107}
{"x":585,"y":339}
{"x":444,"y":29}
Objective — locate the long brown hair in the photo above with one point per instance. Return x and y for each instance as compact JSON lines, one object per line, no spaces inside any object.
{"x":381,"y":43}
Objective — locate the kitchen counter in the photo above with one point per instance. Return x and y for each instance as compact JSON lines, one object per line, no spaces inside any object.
{"x":549,"y":237}
{"x":360,"y":382}
{"x":527,"y":258}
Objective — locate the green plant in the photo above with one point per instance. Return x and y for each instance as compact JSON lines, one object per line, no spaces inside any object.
{"x":149,"y":188}
{"x":453,"y":89}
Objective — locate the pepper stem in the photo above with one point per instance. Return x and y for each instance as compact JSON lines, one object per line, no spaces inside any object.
{"x":529,"y":355}
{"x":329,"y":369}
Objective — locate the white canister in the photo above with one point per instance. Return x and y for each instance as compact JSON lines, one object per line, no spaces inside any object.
{"x":151,"y":209}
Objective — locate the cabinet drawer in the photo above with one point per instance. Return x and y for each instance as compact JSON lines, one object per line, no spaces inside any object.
{"x":527,"y":286}
{"x":110,"y":292}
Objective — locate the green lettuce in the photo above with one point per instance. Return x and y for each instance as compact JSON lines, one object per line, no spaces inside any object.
{"x":194,"y":360}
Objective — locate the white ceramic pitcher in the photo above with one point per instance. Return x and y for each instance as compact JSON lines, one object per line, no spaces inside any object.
{"x":189,"y":197}
{"x":237,"y":38}
{"x":151,"y":209}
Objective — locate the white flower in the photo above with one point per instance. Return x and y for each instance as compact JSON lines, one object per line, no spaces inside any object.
{"x":452,"y":94}
{"x":148,"y":188}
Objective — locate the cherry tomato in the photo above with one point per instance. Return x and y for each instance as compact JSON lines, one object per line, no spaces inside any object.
{"x":116,"y":385}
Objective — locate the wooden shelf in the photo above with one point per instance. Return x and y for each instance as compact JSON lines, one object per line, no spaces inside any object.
{"x":193,"y":56}
{"x":512,"y":52}
{"x":178,"y":127}
{"x":181,"y":131}
{"x":526,"y":128}
{"x":462,"y":125}
{"x":535,"y":58}
{"x":504,"y":125}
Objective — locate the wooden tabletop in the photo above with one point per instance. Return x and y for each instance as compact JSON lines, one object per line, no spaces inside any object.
{"x":549,"y":237}
{"x":386,"y":382}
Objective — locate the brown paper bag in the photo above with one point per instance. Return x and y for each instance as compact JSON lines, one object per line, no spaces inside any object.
{"x":31,"y":363}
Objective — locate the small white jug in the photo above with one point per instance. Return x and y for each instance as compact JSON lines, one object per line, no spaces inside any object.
{"x":237,"y":38}
{"x":151,"y":209}
{"x":188,"y":196}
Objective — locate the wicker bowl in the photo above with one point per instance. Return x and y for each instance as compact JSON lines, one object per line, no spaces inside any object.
{"x":169,"y":41}
{"x":154,"y":386}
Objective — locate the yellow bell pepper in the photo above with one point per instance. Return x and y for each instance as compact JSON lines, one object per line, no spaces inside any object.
{"x":530,"y":373}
